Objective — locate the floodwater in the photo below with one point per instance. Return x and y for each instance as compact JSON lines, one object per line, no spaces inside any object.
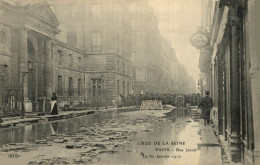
{"x":172,"y":143}
{"x":28,"y":133}
{"x":149,"y":139}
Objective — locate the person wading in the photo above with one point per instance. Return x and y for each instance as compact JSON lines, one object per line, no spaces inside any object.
{"x":206,"y":104}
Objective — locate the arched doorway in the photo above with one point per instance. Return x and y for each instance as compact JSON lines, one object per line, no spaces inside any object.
{"x":32,"y":73}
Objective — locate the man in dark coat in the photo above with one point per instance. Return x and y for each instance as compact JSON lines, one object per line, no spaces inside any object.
{"x":206,"y":104}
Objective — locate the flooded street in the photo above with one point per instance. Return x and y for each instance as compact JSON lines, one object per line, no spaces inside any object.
{"x":168,"y":143}
{"x":139,"y":137}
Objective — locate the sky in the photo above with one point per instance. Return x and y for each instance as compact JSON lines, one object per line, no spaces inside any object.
{"x":184,"y":18}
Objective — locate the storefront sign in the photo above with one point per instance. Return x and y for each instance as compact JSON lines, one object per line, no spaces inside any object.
{"x":199,"y":40}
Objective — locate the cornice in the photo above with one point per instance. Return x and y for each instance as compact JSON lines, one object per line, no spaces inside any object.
{"x":65,"y":45}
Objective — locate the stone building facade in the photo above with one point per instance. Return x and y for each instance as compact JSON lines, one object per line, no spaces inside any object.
{"x":27,"y":33}
{"x":82,"y":50}
{"x":156,"y":68}
{"x":108,"y":57}
{"x":232,"y":76}
{"x":82,"y":54}
{"x":101,"y":30}
{"x":150,"y":52}
{"x":68,"y":74}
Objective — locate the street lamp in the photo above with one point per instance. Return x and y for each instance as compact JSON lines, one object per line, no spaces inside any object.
{"x":31,"y":65}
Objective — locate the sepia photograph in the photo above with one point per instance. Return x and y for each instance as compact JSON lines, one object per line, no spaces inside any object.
{"x":129,"y":82}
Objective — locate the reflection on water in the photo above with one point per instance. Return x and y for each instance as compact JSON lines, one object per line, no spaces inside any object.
{"x":161,"y":133}
{"x":32,"y":132}
{"x":161,"y":137}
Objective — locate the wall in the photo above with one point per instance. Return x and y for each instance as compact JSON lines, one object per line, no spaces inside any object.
{"x":63,"y":68}
{"x":253,"y":51}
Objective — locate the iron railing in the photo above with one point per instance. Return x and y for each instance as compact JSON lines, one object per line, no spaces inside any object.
{"x":11,"y":102}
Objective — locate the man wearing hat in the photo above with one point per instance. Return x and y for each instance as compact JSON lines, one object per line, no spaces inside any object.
{"x":206,"y":104}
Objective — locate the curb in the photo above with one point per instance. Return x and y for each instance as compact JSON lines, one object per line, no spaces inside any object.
{"x":64,"y":115}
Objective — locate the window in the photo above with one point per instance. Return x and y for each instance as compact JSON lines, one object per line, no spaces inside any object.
{"x":3,"y":38}
{"x":74,"y":12}
{"x":71,"y":60}
{"x":134,"y":73}
{"x":128,"y":88}
{"x":127,"y":70}
{"x":128,"y":47}
{"x":96,"y":12}
{"x":99,"y":86}
{"x":123,"y":65}
{"x":72,"y":39}
{"x":118,"y":87}
{"x":52,"y":8}
{"x":124,"y":88}
{"x":118,"y":67}
{"x":134,"y":40}
{"x":118,"y":42}
{"x":59,"y":57}
{"x":79,"y":62}
{"x":94,"y":90}
{"x":96,"y":87}
{"x":3,"y":74}
{"x":60,"y":85}
{"x":3,"y":81}
{"x":96,"y":41}
{"x":133,"y":57}
{"x":79,"y":87}
{"x":70,"y":86}
{"x":133,"y":23}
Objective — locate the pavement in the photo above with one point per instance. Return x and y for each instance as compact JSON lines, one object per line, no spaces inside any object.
{"x":210,"y":147}
{"x":213,"y":148}
{"x":34,"y":117}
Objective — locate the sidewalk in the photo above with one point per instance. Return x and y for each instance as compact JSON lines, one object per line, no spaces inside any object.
{"x":33,"y":118}
{"x":210,"y":148}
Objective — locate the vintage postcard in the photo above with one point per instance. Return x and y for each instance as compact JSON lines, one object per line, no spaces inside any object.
{"x":135,"y":82}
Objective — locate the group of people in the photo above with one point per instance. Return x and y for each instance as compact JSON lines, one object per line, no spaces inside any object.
{"x":205,"y":105}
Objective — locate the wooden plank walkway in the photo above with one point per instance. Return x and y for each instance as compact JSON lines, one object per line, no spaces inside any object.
{"x":210,"y":149}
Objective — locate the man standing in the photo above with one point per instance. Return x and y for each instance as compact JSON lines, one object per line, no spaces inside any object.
{"x":206,"y":104}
